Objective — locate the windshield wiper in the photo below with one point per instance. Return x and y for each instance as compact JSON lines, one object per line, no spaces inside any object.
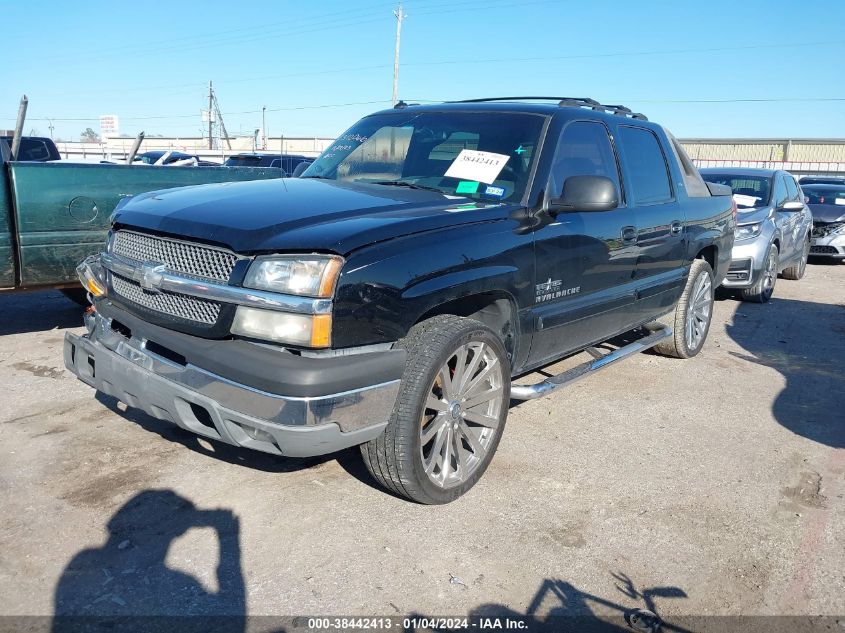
{"x":405,"y":183}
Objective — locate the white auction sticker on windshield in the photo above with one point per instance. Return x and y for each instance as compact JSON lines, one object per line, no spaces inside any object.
{"x":474,"y":165}
{"x":745,"y":201}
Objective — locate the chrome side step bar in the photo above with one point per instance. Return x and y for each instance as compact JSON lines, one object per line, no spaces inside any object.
{"x":602,"y":360}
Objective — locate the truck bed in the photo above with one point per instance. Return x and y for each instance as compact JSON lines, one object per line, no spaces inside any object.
{"x":53,"y":215}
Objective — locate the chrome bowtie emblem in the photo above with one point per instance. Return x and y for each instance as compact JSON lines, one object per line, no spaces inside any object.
{"x":151,"y":276}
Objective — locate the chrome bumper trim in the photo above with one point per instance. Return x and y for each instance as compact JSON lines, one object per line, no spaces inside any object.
{"x":109,"y":352}
{"x":212,"y":291}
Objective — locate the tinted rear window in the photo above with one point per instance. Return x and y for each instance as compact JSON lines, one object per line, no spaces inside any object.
{"x":810,"y":180}
{"x":826,"y":195}
{"x":646,"y":165}
{"x":34,"y":149}
{"x":243,"y":161}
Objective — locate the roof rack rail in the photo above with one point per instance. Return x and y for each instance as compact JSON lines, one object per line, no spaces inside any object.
{"x":568,"y":102}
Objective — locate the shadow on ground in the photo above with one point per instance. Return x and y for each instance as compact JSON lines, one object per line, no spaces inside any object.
{"x":37,"y":311}
{"x":349,"y":459}
{"x":805,"y":343}
{"x":560,"y":606}
{"x":126,"y":585}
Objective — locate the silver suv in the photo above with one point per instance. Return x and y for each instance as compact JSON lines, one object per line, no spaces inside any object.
{"x":773,"y":229}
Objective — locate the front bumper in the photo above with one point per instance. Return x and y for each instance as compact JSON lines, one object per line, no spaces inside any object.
{"x":830,"y":245}
{"x":216,"y":407}
{"x":748,"y":259}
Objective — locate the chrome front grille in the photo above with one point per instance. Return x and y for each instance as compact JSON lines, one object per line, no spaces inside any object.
{"x":186,"y":258}
{"x":180,"y":306}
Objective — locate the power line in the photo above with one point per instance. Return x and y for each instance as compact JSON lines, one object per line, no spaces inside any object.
{"x":777,"y":100}
{"x":385,"y":101}
{"x":186,"y":116}
{"x":153,"y":46}
{"x":310,"y":25}
{"x":497,"y":60}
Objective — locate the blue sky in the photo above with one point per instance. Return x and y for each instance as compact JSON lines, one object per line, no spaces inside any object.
{"x":150,"y":61}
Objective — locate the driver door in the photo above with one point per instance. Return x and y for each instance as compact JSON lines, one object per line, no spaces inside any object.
{"x":584,"y":261}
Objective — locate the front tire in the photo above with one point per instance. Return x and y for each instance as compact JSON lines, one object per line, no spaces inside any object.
{"x":763,"y":290}
{"x":449,"y":415}
{"x":690,"y":321}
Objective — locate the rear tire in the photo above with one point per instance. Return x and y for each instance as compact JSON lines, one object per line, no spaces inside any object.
{"x":690,"y":321}
{"x":764,"y":288}
{"x":796,"y":272}
{"x":449,"y":415}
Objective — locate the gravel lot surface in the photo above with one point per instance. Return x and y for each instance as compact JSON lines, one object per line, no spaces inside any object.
{"x":709,"y":486}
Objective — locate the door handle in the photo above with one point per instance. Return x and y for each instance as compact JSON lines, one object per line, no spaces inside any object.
{"x":629,"y":234}
{"x":676,"y":227}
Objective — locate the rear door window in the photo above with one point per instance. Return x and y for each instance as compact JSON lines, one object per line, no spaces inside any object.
{"x":646,"y":165}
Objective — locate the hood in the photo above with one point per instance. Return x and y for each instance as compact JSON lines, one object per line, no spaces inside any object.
{"x":827,"y":212}
{"x":750,"y":216}
{"x":299,"y":214}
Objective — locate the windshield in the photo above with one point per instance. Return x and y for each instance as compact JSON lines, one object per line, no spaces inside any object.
{"x":485,"y":156}
{"x":825,"y":195}
{"x":749,"y":191}
{"x":148,"y":158}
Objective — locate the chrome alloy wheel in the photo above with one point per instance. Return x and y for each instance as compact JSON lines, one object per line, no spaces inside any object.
{"x":698,"y":312}
{"x":461,"y":414}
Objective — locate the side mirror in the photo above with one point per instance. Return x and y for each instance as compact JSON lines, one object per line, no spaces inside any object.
{"x":792,"y":206}
{"x":301,"y":167}
{"x":586,"y":193}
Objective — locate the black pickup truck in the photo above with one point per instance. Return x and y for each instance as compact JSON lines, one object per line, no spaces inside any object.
{"x":388,"y":297}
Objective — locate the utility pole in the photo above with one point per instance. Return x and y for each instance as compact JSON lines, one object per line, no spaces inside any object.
{"x":210,"y":101}
{"x":400,"y":15}
{"x":219,"y":117}
{"x":51,"y":128}
{"x":16,"y":139}
{"x":263,"y":127}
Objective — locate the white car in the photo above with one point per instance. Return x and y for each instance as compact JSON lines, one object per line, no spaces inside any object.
{"x":827,"y":202}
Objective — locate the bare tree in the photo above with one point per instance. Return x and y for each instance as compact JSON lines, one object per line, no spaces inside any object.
{"x":89,"y":136}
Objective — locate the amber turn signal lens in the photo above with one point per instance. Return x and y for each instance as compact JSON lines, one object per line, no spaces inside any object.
{"x":321,"y":331}
{"x":329,"y":278}
{"x":94,"y":288}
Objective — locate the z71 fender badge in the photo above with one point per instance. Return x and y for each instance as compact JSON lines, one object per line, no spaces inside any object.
{"x":552,"y":289}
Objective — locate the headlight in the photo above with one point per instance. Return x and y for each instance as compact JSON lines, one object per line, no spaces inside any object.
{"x":307,"y":275}
{"x":306,"y":330}
{"x":748,"y":231}
{"x":839,"y":230}
{"x":92,"y":276}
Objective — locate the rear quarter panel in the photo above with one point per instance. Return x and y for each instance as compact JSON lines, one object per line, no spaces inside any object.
{"x":710,"y":222}
{"x":62,"y":209}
